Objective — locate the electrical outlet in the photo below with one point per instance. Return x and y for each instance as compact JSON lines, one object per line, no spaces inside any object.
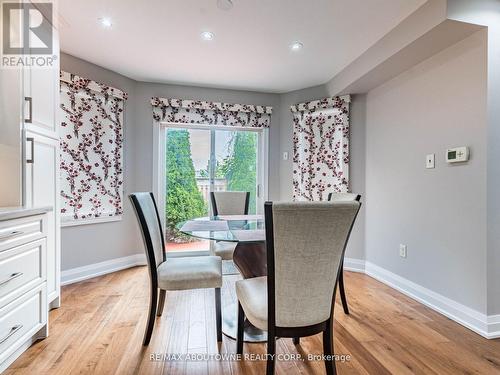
{"x":403,"y":251}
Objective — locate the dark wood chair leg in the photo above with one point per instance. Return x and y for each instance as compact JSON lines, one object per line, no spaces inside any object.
{"x":342,"y":290}
{"x":240,"y":329}
{"x":328,"y":350}
{"x":161,"y":302}
{"x":271,"y":351}
{"x":218,"y":314}
{"x":296,"y":340}
{"x":153,"y":300}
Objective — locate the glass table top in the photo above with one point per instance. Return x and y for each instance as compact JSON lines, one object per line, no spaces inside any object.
{"x":231,"y":228}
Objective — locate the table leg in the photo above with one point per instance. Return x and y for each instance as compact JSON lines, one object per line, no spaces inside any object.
{"x":251,"y":260}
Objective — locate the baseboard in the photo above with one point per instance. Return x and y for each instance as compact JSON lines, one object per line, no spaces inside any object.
{"x":75,"y":275}
{"x":494,"y":326}
{"x":486,"y":326}
{"x":354,"y":265}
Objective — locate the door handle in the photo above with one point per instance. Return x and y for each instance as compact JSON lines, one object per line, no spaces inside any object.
{"x":13,"y":276}
{"x":29,"y":99}
{"x":11,"y":332}
{"x":32,"y":159}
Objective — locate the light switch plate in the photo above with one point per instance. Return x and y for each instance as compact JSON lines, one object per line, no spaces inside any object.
{"x":430,"y":161}
{"x":285,"y":155}
{"x":403,"y":252}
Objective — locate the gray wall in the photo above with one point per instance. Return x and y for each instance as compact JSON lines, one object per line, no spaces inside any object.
{"x":356,"y":245}
{"x":87,"y":244}
{"x":144,"y":129}
{"x":438,"y":213}
{"x":487,"y":12}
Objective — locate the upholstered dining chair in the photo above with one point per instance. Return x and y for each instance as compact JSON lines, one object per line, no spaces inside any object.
{"x":174,"y":273}
{"x":340,"y":197}
{"x":297,"y":297}
{"x":228,"y":203}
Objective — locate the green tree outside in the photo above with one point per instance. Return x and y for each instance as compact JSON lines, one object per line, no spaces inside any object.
{"x":183,"y":201}
{"x":240,"y":167}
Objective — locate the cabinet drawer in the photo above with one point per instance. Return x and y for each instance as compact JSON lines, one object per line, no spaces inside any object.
{"x":20,"y":231}
{"x":21,"y":319}
{"x":21,"y":269}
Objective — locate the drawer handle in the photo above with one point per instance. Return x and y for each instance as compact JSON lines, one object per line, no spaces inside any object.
{"x":11,"y":277}
{"x":12,"y":331}
{"x":29,"y":100}
{"x":11,"y":234}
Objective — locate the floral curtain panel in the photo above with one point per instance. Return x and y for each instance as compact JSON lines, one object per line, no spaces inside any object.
{"x":91,"y":131}
{"x":210,"y":113}
{"x":320,"y":148}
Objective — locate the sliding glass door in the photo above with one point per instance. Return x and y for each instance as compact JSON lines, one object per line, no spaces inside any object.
{"x":199,"y":160}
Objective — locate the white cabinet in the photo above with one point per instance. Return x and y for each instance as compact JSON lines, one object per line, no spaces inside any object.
{"x":10,"y":136}
{"x":41,"y":156}
{"x":23,"y":281}
{"x":41,"y":92}
{"x":42,"y":189}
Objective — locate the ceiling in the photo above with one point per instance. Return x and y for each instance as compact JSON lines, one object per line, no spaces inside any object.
{"x":159,"y":40}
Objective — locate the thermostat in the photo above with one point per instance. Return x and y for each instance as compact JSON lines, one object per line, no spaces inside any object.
{"x":457,"y":154}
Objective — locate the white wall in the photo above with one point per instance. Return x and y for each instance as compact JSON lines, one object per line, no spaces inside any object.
{"x":440,"y":214}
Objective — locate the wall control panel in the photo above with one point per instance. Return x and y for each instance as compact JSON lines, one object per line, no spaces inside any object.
{"x":457,"y":154}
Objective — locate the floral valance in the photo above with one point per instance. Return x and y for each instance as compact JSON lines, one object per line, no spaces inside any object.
{"x":210,"y":113}
{"x":91,"y":167}
{"x":320,"y":148}
{"x":332,"y":102}
{"x":79,"y":83}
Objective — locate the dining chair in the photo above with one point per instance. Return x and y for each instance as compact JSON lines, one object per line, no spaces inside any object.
{"x":228,"y":203}
{"x":340,"y":197}
{"x":297,"y":297}
{"x":174,"y":273}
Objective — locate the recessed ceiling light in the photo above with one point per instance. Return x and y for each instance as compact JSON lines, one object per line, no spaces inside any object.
{"x":106,"y":22}
{"x":296,"y":46}
{"x":207,"y":35}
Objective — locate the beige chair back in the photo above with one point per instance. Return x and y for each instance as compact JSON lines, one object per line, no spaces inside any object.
{"x":305,"y":244}
{"x":230,"y":202}
{"x":149,"y":221}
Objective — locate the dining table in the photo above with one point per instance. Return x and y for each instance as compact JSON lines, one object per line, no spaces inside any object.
{"x":249,"y":257}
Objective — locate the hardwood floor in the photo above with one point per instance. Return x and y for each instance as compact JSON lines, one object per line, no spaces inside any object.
{"x":99,"y":328}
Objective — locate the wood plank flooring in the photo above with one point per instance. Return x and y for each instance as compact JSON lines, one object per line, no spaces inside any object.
{"x":99,"y":329}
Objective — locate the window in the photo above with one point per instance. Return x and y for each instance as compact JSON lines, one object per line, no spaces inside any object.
{"x":200,"y":159}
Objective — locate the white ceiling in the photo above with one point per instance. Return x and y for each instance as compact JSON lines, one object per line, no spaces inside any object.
{"x":159,"y":40}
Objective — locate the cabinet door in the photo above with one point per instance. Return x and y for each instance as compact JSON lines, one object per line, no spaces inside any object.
{"x":41,"y":90}
{"x":42,"y":189}
{"x":10,"y":137}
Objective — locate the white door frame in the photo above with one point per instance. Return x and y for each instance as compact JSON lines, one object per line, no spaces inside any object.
{"x":159,"y":149}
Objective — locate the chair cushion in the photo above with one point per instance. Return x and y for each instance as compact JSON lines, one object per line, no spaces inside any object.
{"x":225,"y":250}
{"x":252,"y":294}
{"x":190,"y":273}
